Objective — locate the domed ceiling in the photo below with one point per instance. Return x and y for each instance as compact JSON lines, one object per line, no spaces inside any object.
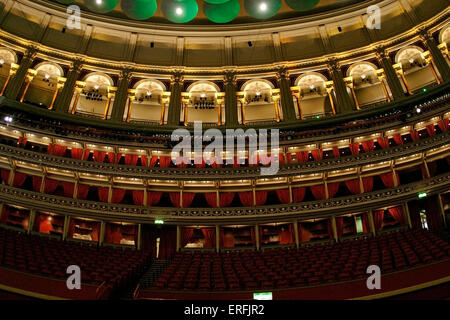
{"x":207,"y":11}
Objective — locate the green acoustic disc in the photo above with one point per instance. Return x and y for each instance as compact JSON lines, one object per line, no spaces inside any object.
{"x":222,"y":13}
{"x":262,"y":9}
{"x":302,"y":5}
{"x":179,"y":11}
{"x":101,"y":6}
{"x":139,"y":9}
{"x":65,"y":1}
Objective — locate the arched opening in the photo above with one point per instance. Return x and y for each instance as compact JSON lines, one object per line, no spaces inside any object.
{"x":313,"y":99}
{"x":259,"y":102}
{"x":8,"y":60}
{"x":149,"y":102}
{"x":43,"y":88}
{"x":95,"y":97}
{"x":368,"y":87}
{"x":418,"y":69}
{"x":203,"y":102}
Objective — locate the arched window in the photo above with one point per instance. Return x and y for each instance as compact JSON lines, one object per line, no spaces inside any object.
{"x":260,"y":103}
{"x":149,"y":103}
{"x":314,"y":100}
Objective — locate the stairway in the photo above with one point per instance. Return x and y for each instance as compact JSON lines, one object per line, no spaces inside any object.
{"x":153,"y":273}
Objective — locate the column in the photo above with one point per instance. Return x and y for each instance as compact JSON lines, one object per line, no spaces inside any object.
{"x":217,"y":238}
{"x":175,"y":99}
{"x":29,"y":78}
{"x":66,"y":227}
{"x":59,"y":85}
{"x":31,"y":220}
{"x":178,"y":238}
{"x":349,"y":84}
{"x":108,"y":104}
{"x":344,"y":102}
{"x":1,"y":210}
{"x":276,"y":98}
{"x":438,"y":58}
{"x":130,"y":105}
{"x":258,"y":241}
{"x":231,"y":108}
{"x":13,"y":89}
{"x":297,"y":240}
{"x":371,"y":223}
{"x":78,"y":89}
{"x":287,"y":104}
{"x":381,"y":77}
{"x":407,"y":214}
{"x":121,"y":96}
{"x":102,"y":232}
{"x":63,"y":100}
{"x":12,"y":71}
{"x":391,"y":76}
{"x":441,"y":209}
{"x":139,"y":237}
{"x":333,"y":227}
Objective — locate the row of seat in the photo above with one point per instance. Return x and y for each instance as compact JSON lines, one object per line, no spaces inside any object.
{"x":306,"y":266}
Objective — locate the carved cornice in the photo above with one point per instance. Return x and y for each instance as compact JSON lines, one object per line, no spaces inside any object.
{"x":275,"y":213}
{"x":201,"y":174}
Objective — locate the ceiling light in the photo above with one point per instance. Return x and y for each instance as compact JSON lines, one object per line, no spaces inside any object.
{"x":2,"y":61}
{"x":99,"y":2}
{"x":203,"y":95}
{"x":179,"y":11}
{"x":411,"y":60}
{"x":47,"y":76}
{"x":263,"y":6}
{"x":311,"y":87}
{"x":96,"y":87}
{"x":363,"y":76}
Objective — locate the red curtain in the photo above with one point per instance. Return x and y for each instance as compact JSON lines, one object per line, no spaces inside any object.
{"x":226,"y":198}
{"x":365,"y":222}
{"x":99,"y":156}
{"x":298,"y":194}
{"x":186,"y":235}
{"x":182,"y":162}
{"x":354,"y":148}
{"x":431,"y":130}
{"x":336,"y":152}
{"x":302,"y":156}
{"x":168,"y":243}
{"x":144,"y":161}
{"x":353,"y":186}
{"x":288,"y":157}
{"x":236,"y":163}
{"x":246,"y":198}
{"x":153,"y":161}
{"x":209,"y":235}
{"x":188,"y":197}
{"x":397,"y":214}
{"x":22,"y":142}
{"x":76,"y":153}
{"x":367,"y":184}
{"x":37,"y":181}
{"x":383,"y":142}
{"x":332,"y":189}
{"x":68,"y":188}
{"x":443,"y":125}
{"x":286,"y":236}
{"x":83,"y":191}
{"x":199,"y":162}
{"x":138,"y":197}
{"x":368,"y":146}
{"x":111,"y":157}
{"x":283,"y":196}
{"x":113,"y":233}
{"x":164,"y":162}
{"x":5,"y":175}
{"x":214,"y":162}
{"x":211,"y":199}
{"x":86,"y":154}
{"x":388,"y":179}
{"x":398,"y":139}
{"x":103,"y":194}
{"x":317,"y":154}
{"x":414,"y":135}
{"x":153,"y":198}
{"x":56,"y":150}
{"x":340,"y":226}
{"x":131,"y":159}
{"x":50,"y":186}
{"x":148,"y":238}
{"x":318,"y":192}
{"x":175,"y":199}
{"x":378,"y":216}
{"x":260,"y":197}
{"x":19,"y":179}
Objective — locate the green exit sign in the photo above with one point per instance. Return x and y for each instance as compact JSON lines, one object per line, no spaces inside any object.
{"x":159,"y":221}
{"x":422,"y":195}
{"x":262,"y":296}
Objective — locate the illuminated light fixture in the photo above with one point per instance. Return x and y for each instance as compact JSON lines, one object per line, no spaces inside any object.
{"x":203,"y":95}
{"x":418,"y":110}
{"x":411,"y":60}
{"x":47,"y":76}
{"x":262,"y":296}
{"x":2,"y":61}
{"x":363,"y":76}
{"x":424,"y":89}
{"x":149,"y":92}
{"x":311,"y":87}
{"x":422,"y":195}
{"x":179,"y":11}
{"x":159,"y":221}
{"x":258,"y":93}
{"x":99,"y":2}
{"x":263,"y":6}
{"x":96,"y":87}
{"x":8,"y":119}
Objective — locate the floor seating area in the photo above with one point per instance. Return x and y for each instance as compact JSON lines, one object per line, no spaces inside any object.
{"x":308,"y":266}
{"x":50,"y":258}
